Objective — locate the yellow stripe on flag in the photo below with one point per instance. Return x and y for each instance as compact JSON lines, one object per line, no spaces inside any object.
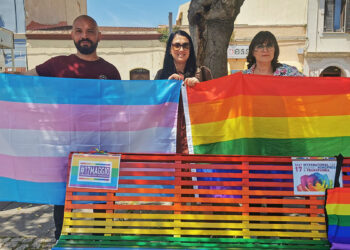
{"x":271,"y":127}
{"x":338,"y":209}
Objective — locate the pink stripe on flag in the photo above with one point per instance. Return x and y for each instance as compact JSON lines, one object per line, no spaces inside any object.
{"x":67,"y":117}
{"x":35,"y":169}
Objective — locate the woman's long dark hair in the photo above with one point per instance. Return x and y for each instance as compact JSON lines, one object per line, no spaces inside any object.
{"x":261,"y":38}
{"x":168,"y":64}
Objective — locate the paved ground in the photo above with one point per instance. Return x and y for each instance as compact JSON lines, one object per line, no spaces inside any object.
{"x":26,"y":226}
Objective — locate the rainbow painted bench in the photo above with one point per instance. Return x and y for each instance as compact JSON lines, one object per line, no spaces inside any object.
{"x":175,"y":201}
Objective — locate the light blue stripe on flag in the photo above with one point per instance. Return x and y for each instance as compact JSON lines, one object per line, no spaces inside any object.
{"x":52,"y":193}
{"x":51,"y":90}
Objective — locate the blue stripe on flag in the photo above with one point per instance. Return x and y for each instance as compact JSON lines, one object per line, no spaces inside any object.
{"x":338,"y":234}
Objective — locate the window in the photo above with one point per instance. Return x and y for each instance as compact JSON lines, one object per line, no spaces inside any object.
{"x":331,"y":71}
{"x":337,"y":16}
{"x":20,"y":54}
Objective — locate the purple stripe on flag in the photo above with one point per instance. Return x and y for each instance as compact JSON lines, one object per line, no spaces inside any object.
{"x":93,"y":186}
{"x":340,"y":246}
{"x":35,"y":169}
{"x":67,"y":117}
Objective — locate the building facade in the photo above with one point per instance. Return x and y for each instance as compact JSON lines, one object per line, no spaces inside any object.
{"x":12,"y":17}
{"x":136,"y":52}
{"x":328,"y":32}
{"x":286,"y":19}
{"x":53,"y":13}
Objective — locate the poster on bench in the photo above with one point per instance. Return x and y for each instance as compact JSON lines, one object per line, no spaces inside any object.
{"x":94,"y":171}
{"x":313,"y":175}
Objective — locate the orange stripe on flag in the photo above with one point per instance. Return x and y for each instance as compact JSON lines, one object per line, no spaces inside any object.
{"x":270,"y":106}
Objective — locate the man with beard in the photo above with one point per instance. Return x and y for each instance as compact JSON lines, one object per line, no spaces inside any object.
{"x":84,"y":64}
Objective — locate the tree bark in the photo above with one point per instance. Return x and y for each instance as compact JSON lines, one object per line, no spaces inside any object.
{"x":211,"y":26}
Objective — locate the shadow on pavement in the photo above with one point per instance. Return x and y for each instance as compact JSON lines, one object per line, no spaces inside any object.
{"x":26,"y":220}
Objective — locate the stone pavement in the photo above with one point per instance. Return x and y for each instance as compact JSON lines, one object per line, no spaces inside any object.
{"x":26,"y":226}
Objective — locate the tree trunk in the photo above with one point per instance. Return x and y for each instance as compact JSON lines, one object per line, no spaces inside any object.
{"x":211,"y":26}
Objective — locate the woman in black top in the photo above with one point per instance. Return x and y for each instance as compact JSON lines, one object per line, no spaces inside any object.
{"x":180,"y":64}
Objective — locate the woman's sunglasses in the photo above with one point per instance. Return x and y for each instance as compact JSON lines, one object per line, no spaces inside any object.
{"x":177,"y":46}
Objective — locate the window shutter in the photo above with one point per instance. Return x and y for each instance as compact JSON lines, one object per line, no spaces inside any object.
{"x":347,"y":16}
{"x":329,"y":16}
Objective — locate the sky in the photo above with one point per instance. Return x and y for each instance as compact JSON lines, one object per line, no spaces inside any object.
{"x":133,"y":13}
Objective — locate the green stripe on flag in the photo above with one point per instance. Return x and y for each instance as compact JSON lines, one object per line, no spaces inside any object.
{"x":340,"y":220}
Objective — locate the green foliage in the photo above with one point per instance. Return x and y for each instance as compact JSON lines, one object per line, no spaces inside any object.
{"x":165,"y":33}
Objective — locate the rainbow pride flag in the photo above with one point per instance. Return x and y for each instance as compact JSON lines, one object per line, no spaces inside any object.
{"x":338,"y":217}
{"x":43,"y":119}
{"x":269,"y":115}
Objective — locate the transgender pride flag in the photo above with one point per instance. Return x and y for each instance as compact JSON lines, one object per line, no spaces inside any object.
{"x":43,"y":119}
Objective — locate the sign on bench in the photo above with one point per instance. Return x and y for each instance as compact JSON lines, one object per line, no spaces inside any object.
{"x":192,"y":201}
